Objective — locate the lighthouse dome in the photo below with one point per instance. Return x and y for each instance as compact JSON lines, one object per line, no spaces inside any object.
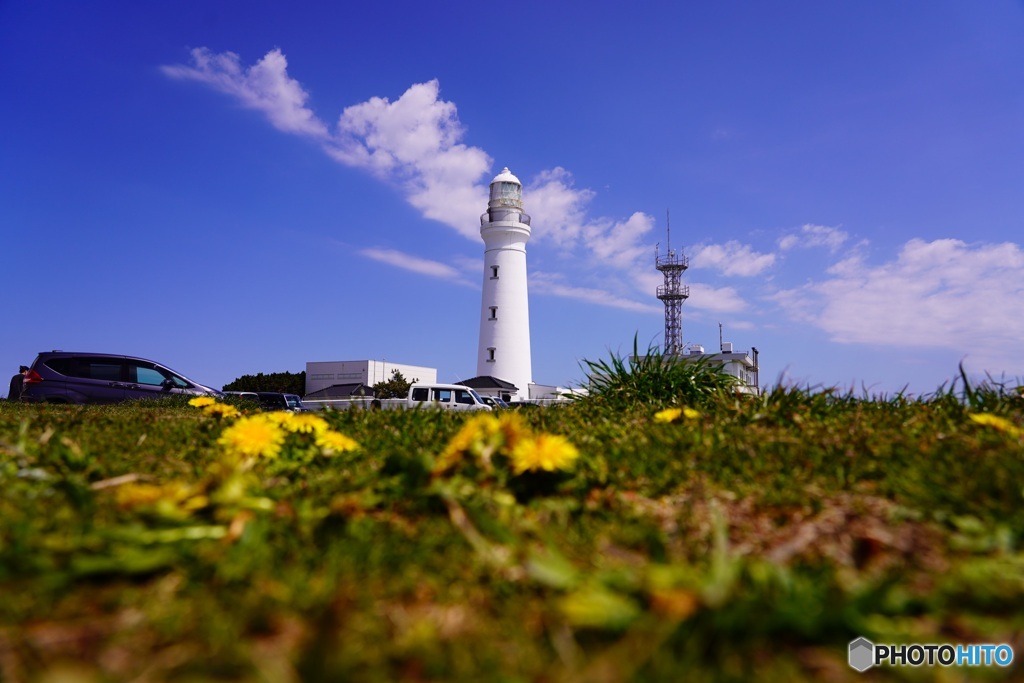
{"x":506,"y":177}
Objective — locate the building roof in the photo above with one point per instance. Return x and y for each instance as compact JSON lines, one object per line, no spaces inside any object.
{"x":488,"y":382}
{"x":505,"y":177}
{"x":342,"y":391}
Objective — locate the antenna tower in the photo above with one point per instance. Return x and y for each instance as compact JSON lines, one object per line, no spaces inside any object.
{"x":673,"y":292}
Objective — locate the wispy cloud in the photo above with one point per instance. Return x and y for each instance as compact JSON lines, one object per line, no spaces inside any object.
{"x":559,"y":206}
{"x":415,"y":264}
{"x":939,"y":294}
{"x":553,"y":284}
{"x":265,"y":87}
{"x":731,"y":258}
{"x":715,"y":299}
{"x":814,"y":236}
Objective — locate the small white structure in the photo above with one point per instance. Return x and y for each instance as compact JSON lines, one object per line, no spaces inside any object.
{"x":504,"y":349}
{"x":320,"y":375}
{"x":550,"y":393}
{"x":738,"y":364}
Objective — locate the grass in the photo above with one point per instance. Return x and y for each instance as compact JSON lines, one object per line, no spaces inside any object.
{"x":749,"y":541}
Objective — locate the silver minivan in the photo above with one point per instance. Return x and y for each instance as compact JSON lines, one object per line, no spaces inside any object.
{"x":73,"y":377}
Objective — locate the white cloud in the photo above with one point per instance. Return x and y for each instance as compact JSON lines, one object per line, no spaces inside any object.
{"x":415,"y":141}
{"x":731,"y":258}
{"x":561,"y":211}
{"x":470,"y":264}
{"x":265,"y":86}
{"x":551,"y":284}
{"x":814,"y":236}
{"x":703,"y":297}
{"x":619,"y":243}
{"x":715,"y":299}
{"x":416,"y":264}
{"x":552,"y":201}
{"x":940,"y":294}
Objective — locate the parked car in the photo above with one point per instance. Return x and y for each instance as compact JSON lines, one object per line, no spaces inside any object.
{"x":272,"y":400}
{"x":243,"y":395}
{"x":74,"y":377}
{"x":523,"y":405}
{"x":494,"y":402}
{"x":428,"y":396}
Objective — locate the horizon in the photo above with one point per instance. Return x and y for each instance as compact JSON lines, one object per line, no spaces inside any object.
{"x":232,"y":190}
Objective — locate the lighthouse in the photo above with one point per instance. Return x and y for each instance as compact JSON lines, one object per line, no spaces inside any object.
{"x":504,"y":351}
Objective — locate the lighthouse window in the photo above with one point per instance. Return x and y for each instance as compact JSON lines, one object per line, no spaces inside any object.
{"x":490,"y":355}
{"x":494,"y":312}
{"x":494,"y":272}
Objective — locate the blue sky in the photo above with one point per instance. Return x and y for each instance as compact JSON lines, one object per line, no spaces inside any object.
{"x":241,"y":187}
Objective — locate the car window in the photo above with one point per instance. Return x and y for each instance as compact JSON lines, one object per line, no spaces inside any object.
{"x":144,"y":374}
{"x":463,"y":396}
{"x":443,"y":395}
{"x":292,"y":400}
{"x":106,"y":369}
{"x":149,"y":376}
{"x":62,"y":365}
{"x":419,"y":394}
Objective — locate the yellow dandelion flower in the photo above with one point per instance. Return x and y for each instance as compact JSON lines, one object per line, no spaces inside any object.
{"x":547,"y":452}
{"x":335,"y":442}
{"x":137,"y":494}
{"x":673,"y":414}
{"x":996,"y":422}
{"x":282,"y":418}
{"x":221,"y":410}
{"x":478,"y":434}
{"x":141,"y":494}
{"x":668,"y":415}
{"x":304,"y":423}
{"x":202,"y":401}
{"x":252,"y":436}
{"x":513,"y":429}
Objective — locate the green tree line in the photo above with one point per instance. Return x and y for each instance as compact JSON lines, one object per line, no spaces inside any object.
{"x":284,"y":382}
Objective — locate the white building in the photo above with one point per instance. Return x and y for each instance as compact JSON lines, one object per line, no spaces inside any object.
{"x":504,"y":349}
{"x":320,"y":375}
{"x":739,"y":364}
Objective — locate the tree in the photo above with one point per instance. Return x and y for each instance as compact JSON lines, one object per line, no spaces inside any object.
{"x":283,"y":382}
{"x":396,"y":387}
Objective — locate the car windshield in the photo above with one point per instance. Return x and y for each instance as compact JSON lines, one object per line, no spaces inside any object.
{"x":292,"y":401}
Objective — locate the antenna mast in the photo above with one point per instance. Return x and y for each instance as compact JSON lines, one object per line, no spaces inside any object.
{"x":673,"y":292}
{"x":668,"y":232}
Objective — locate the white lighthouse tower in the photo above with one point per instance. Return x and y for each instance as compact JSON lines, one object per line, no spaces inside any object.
{"x":504,"y":351}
